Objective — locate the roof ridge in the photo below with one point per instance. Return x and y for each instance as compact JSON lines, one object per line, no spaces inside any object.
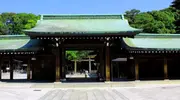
{"x":2,"y":37}
{"x":153,"y":35}
{"x":82,"y":16}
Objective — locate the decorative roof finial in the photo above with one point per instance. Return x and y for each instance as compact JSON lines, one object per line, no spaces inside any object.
{"x":41,"y":17}
{"x":122,"y":17}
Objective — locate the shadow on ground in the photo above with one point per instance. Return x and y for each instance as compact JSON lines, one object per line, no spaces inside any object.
{"x":25,"y":81}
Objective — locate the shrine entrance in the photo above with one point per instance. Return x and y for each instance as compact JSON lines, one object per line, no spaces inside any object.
{"x":82,"y":61}
{"x":81,"y":32}
{"x":80,"y":64}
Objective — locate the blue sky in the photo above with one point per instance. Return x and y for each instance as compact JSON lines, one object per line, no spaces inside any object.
{"x":81,"y":6}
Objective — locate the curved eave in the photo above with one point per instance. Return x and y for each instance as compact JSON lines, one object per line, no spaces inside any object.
{"x":122,"y":33}
{"x":14,"y":44}
{"x":100,"y":27}
{"x":152,"y":44}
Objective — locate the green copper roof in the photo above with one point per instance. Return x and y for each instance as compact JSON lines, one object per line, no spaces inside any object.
{"x":154,"y":41}
{"x":82,"y":24}
{"x":18,"y":43}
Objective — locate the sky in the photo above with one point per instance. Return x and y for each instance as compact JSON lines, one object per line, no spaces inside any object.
{"x":81,"y":6}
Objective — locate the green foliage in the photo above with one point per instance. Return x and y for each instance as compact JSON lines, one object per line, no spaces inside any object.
{"x":71,"y":55}
{"x":12,"y":23}
{"x":131,"y":14}
{"x":141,"y":20}
{"x":161,"y":21}
{"x":76,"y":55}
{"x":176,"y":4}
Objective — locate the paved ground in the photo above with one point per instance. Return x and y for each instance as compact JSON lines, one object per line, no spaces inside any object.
{"x":158,"y":93}
{"x":21,"y":94}
{"x":136,"y":90}
{"x":119,"y":93}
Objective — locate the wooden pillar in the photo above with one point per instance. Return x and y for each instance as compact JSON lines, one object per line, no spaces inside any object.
{"x":1,"y":63}
{"x":57,"y":65}
{"x":165,"y":69}
{"x":101,"y":67}
{"x":63,"y":64}
{"x":89,"y":65}
{"x":75,"y":66}
{"x":108,"y":66}
{"x":136,"y":69}
{"x":29,"y":69}
{"x":11,"y":68}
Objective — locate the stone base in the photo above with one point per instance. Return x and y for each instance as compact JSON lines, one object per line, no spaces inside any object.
{"x":107,"y":81}
{"x":137,"y":80}
{"x":63,"y":80}
{"x":166,"y":79}
{"x":57,"y":82}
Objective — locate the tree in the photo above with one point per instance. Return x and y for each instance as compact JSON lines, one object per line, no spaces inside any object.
{"x":28,"y":20}
{"x":166,"y":20}
{"x":76,"y":55}
{"x":141,"y":20}
{"x":161,"y":21}
{"x":1,"y":26}
{"x":176,"y":4}
{"x":129,"y":15}
{"x":7,"y":23}
{"x":12,"y":23}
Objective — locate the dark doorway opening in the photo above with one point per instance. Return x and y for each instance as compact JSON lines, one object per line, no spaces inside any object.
{"x":151,"y":69}
{"x":173,"y":68}
{"x":123,"y":69}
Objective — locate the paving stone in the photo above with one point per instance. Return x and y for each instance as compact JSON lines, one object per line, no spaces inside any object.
{"x":148,"y":92}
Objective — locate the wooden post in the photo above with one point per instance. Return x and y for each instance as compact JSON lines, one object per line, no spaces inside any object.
{"x":11,"y":68}
{"x":108,"y":66}
{"x":57,"y":66}
{"x":89,"y":65}
{"x":29,"y":69}
{"x":165,"y":69}
{"x":63,"y":63}
{"x":75,"y":66}
{"x":1,"y":62}
{"x":101,"y":67}
{"x":136,"y":69}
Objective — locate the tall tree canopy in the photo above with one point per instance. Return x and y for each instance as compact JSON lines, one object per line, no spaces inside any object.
{"x":12,"y":23}
{"x":131,"y":14}
{"x":176,"y":5}
{"x":161,"y":21}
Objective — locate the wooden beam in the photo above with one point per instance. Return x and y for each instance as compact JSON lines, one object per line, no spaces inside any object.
{"x":83,"y":45}
{"x":165,"y":69}
{"x":85,"y":60}
{"x":136,"y":69}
